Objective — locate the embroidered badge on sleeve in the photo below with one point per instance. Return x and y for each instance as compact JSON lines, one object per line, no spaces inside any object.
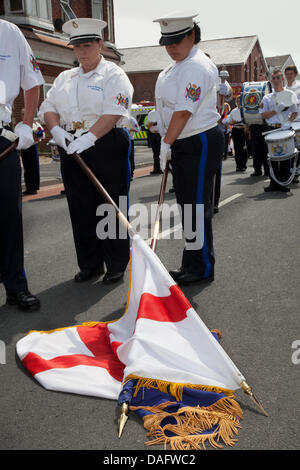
{"x":122,"y":100}
{"x":193,"y":92}
{"x":34,"y":63}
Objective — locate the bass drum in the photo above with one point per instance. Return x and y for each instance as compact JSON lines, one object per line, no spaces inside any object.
{"x":252,"y":94}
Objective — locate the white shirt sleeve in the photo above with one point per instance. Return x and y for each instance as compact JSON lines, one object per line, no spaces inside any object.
{"x":30,"y":71}
{"x":118,"y":96}
{"x":193,"y":86}
{"x":49,"y":104}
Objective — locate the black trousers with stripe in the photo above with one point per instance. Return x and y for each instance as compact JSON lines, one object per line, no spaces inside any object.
{"x":195,"y":160}
{"x":108,"y":159}
{"x":12,"y":271}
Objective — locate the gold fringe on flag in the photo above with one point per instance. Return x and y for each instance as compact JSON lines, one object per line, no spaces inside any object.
{"x":173,"y":388}
{"x":224,"y":415}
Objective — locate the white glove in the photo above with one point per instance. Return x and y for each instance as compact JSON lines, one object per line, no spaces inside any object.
{"x":60,"y":136}
{"x":25,"y":135}
{"x":165,"y":154}
{"x":81,"y":144}
{"x":223,"y":90}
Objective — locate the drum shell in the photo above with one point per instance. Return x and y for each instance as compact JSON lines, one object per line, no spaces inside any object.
{"x":281,"y":145}
{"x":252,"y":94}
{"x":296,"y":128}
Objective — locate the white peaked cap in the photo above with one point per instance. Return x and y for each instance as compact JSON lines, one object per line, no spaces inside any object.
{"x":84,"y":29}
{"x":174,"y":26}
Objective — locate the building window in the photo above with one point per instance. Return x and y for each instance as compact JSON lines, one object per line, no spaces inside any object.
{"x":16,"y":6}
{"x":39,"y":9}
{"x":110,"y":21}
{"x":97,"y":9}
{"x":66,"y":10}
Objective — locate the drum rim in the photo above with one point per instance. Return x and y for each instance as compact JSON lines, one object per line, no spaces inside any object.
{"x":272,"y":137}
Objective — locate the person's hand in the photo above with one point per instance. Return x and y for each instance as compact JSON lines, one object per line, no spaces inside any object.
{"x":81,"y":144}
{"x":25,"y":135}
{"x":223,"y":90}
{"x":165,"y":154}
{"x":60,"y":136}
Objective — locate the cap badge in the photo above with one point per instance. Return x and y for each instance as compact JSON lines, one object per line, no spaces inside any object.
{"x":165,"y":23}
{"x":74,"y":24}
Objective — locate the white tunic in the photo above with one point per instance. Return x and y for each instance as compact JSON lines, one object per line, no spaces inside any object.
{"x":189,"y":85}
{"x":79,"y":96}
{"x":18,"y":67}
{"x":268,"y":104}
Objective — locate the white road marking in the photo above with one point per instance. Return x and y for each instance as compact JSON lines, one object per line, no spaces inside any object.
{"x":167,"y":233}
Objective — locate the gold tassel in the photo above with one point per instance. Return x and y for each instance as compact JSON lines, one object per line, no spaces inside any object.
{"x":191,"y":422}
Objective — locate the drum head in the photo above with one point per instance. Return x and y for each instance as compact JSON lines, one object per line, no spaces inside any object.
{"x":296,"y":126}
{"x":280,"y":135}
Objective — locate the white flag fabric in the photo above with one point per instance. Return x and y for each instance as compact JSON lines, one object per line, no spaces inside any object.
{"x":159,"y":337}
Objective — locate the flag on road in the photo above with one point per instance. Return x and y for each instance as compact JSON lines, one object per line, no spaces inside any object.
{"x":159,"y":357}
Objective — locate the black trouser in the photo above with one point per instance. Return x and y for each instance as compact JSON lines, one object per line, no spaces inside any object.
{"x":155,"y":140}
{"x":240,"y":147}
{"x":108,"y":159}
{"x":12,"y":271}
{"x":30,"y":160}
{"x":195,"y":160}
{"x":259,"y":147}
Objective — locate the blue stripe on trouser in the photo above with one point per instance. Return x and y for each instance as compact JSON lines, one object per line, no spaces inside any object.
{"x":200,"y":198}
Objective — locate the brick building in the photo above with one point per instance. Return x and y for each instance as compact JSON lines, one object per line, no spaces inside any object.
{"x":242,"y":57}
{"x":41,"y":23}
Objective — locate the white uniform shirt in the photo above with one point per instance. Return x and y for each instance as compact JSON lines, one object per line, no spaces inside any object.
{"x":234,"y":117}
{"x":295,"y":87}
{"x":18,"y":67}
{"x":79,"y":96}
{"x":189,"y":85}
{"x":153,"y":117}
{"x":268,"y":104}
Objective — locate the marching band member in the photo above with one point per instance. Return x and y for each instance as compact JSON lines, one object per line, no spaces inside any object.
{"x":85,"y":106}
{"x":19,"y":70}
{"x":238,"y":136}
{"x":291,"y":73}
{"x":191,"y":137}
{"x":276,"y":115}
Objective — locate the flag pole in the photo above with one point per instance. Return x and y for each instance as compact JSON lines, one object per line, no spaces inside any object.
{"x":9,"y":149}
{"x":125,"y":406}
{"x":248,"y":390}
{"x":159,"y":208}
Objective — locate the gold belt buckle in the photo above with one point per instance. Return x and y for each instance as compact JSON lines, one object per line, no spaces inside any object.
{"x":78,"y":125}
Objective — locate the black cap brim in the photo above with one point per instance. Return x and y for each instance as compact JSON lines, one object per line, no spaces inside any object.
{"x":83,"y":39}
{"x":168,"y":40}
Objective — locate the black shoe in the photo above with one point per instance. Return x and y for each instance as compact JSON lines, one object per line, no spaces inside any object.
{"x":24,"y":300}
{"x":29,"y":192}
{"x":189,"y":278}
{"x":256,"y":173}
{"x":110,"y":277}
{"x":270,"y":188}
{"x":172,"y":190}
{"x":176,"y":273}
{"x":216,"y":209}
{"x":86,"y":274}
{"x":63,"y":192}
